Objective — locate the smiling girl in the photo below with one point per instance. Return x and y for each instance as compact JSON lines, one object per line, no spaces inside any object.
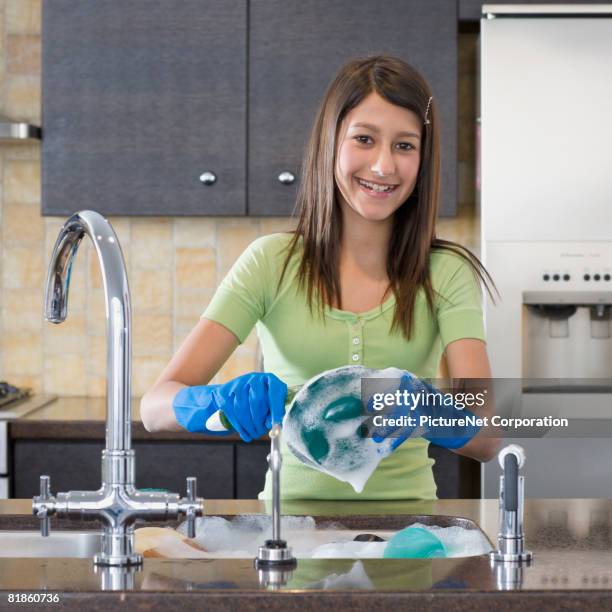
{"x":363,"y":280}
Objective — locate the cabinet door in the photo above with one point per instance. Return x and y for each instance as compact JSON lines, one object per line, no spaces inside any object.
{"x":75,"y":465}
{"x":140,"y":99}
{"x":166,"y":465}
{"x":72,"y":465}
{"x":456,"y":477}
{"x":294,"y":51}
{"x":251,"y":468}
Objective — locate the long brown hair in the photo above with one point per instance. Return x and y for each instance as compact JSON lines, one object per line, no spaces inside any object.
{"x":413,"y":232}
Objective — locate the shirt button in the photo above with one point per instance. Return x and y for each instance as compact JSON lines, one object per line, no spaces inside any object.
{"x":355,"y":340}
{"x":355,"y":357}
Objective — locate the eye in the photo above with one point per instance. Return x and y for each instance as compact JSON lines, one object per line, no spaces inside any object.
{"x":406,"y":146}
{"x":363,"y":139}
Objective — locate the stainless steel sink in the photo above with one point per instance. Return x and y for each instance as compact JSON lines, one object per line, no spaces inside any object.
{"x":80,"y":544}
{"x":86,"y":544}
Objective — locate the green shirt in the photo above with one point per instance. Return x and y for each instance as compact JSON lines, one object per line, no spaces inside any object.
{"x":298,"y":345}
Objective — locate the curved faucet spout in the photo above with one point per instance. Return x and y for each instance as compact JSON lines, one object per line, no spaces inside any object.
{"x":118,"y":503}
{"x":118,"y":313}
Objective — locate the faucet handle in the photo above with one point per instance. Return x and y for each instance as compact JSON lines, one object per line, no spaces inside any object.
{"x":192,"y":488}
{"x":43,"y":505}
{"x":192,"y":494}
{"x":191,"y":505}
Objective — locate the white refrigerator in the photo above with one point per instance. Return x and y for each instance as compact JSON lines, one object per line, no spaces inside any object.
{"x":545,"y":199}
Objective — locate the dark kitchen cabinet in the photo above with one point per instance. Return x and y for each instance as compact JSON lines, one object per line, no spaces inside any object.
{"x":225,"y":470}
{"x":251,"y":466}
{"x":456,"y":476}
{"x":294,"y":51}
{"x":76,"y":465}
{"x":142,"y":98}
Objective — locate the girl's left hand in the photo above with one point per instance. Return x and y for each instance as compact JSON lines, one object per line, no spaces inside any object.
{"x":430,"y":404}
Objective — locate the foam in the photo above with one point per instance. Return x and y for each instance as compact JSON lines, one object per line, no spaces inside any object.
{"x":349,"y":550}
{"x":457,"y":541}
{"x":241,"y":537}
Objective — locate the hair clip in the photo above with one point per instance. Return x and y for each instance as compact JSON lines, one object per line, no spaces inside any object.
{"x":427,"y":121}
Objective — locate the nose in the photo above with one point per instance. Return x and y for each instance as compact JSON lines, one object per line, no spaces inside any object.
{"x":383,"y":163}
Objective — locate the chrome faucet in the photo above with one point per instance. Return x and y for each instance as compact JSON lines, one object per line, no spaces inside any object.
{"x":118,"y":503}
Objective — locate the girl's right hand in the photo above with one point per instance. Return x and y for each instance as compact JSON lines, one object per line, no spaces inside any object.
{"x":252,"y":403}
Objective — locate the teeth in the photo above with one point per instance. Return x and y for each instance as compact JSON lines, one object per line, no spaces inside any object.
{"x":375,"y":187}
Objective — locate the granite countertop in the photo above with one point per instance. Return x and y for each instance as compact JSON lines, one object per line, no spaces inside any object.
{"x":571,"y":540}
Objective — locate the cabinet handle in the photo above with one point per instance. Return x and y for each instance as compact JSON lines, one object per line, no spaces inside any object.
{"x":208,"y":178}
{"x":286,"y":178}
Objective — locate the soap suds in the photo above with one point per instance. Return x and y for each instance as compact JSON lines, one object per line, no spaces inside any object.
{"x":241,"y":537}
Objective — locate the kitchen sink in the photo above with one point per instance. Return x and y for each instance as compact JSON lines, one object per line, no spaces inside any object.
{"x":324,"y":537}
{"x":79,"y":544}
{"x":243,"y":535}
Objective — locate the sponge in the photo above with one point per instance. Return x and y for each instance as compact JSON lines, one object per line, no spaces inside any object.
{"x":414,"y":543}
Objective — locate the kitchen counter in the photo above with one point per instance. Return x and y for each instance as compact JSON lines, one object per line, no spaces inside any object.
{"x":19,"y":409}
{"x":571,"y":539}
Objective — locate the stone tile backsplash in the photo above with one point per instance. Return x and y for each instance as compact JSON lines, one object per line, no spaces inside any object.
{"x":174,"y":264}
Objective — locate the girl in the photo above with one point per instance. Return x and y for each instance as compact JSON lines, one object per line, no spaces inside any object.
{"x":363,"y":280}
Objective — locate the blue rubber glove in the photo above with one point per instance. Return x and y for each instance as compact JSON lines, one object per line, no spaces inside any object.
{"x":451,"y":436}
{"x":251,"y":403}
